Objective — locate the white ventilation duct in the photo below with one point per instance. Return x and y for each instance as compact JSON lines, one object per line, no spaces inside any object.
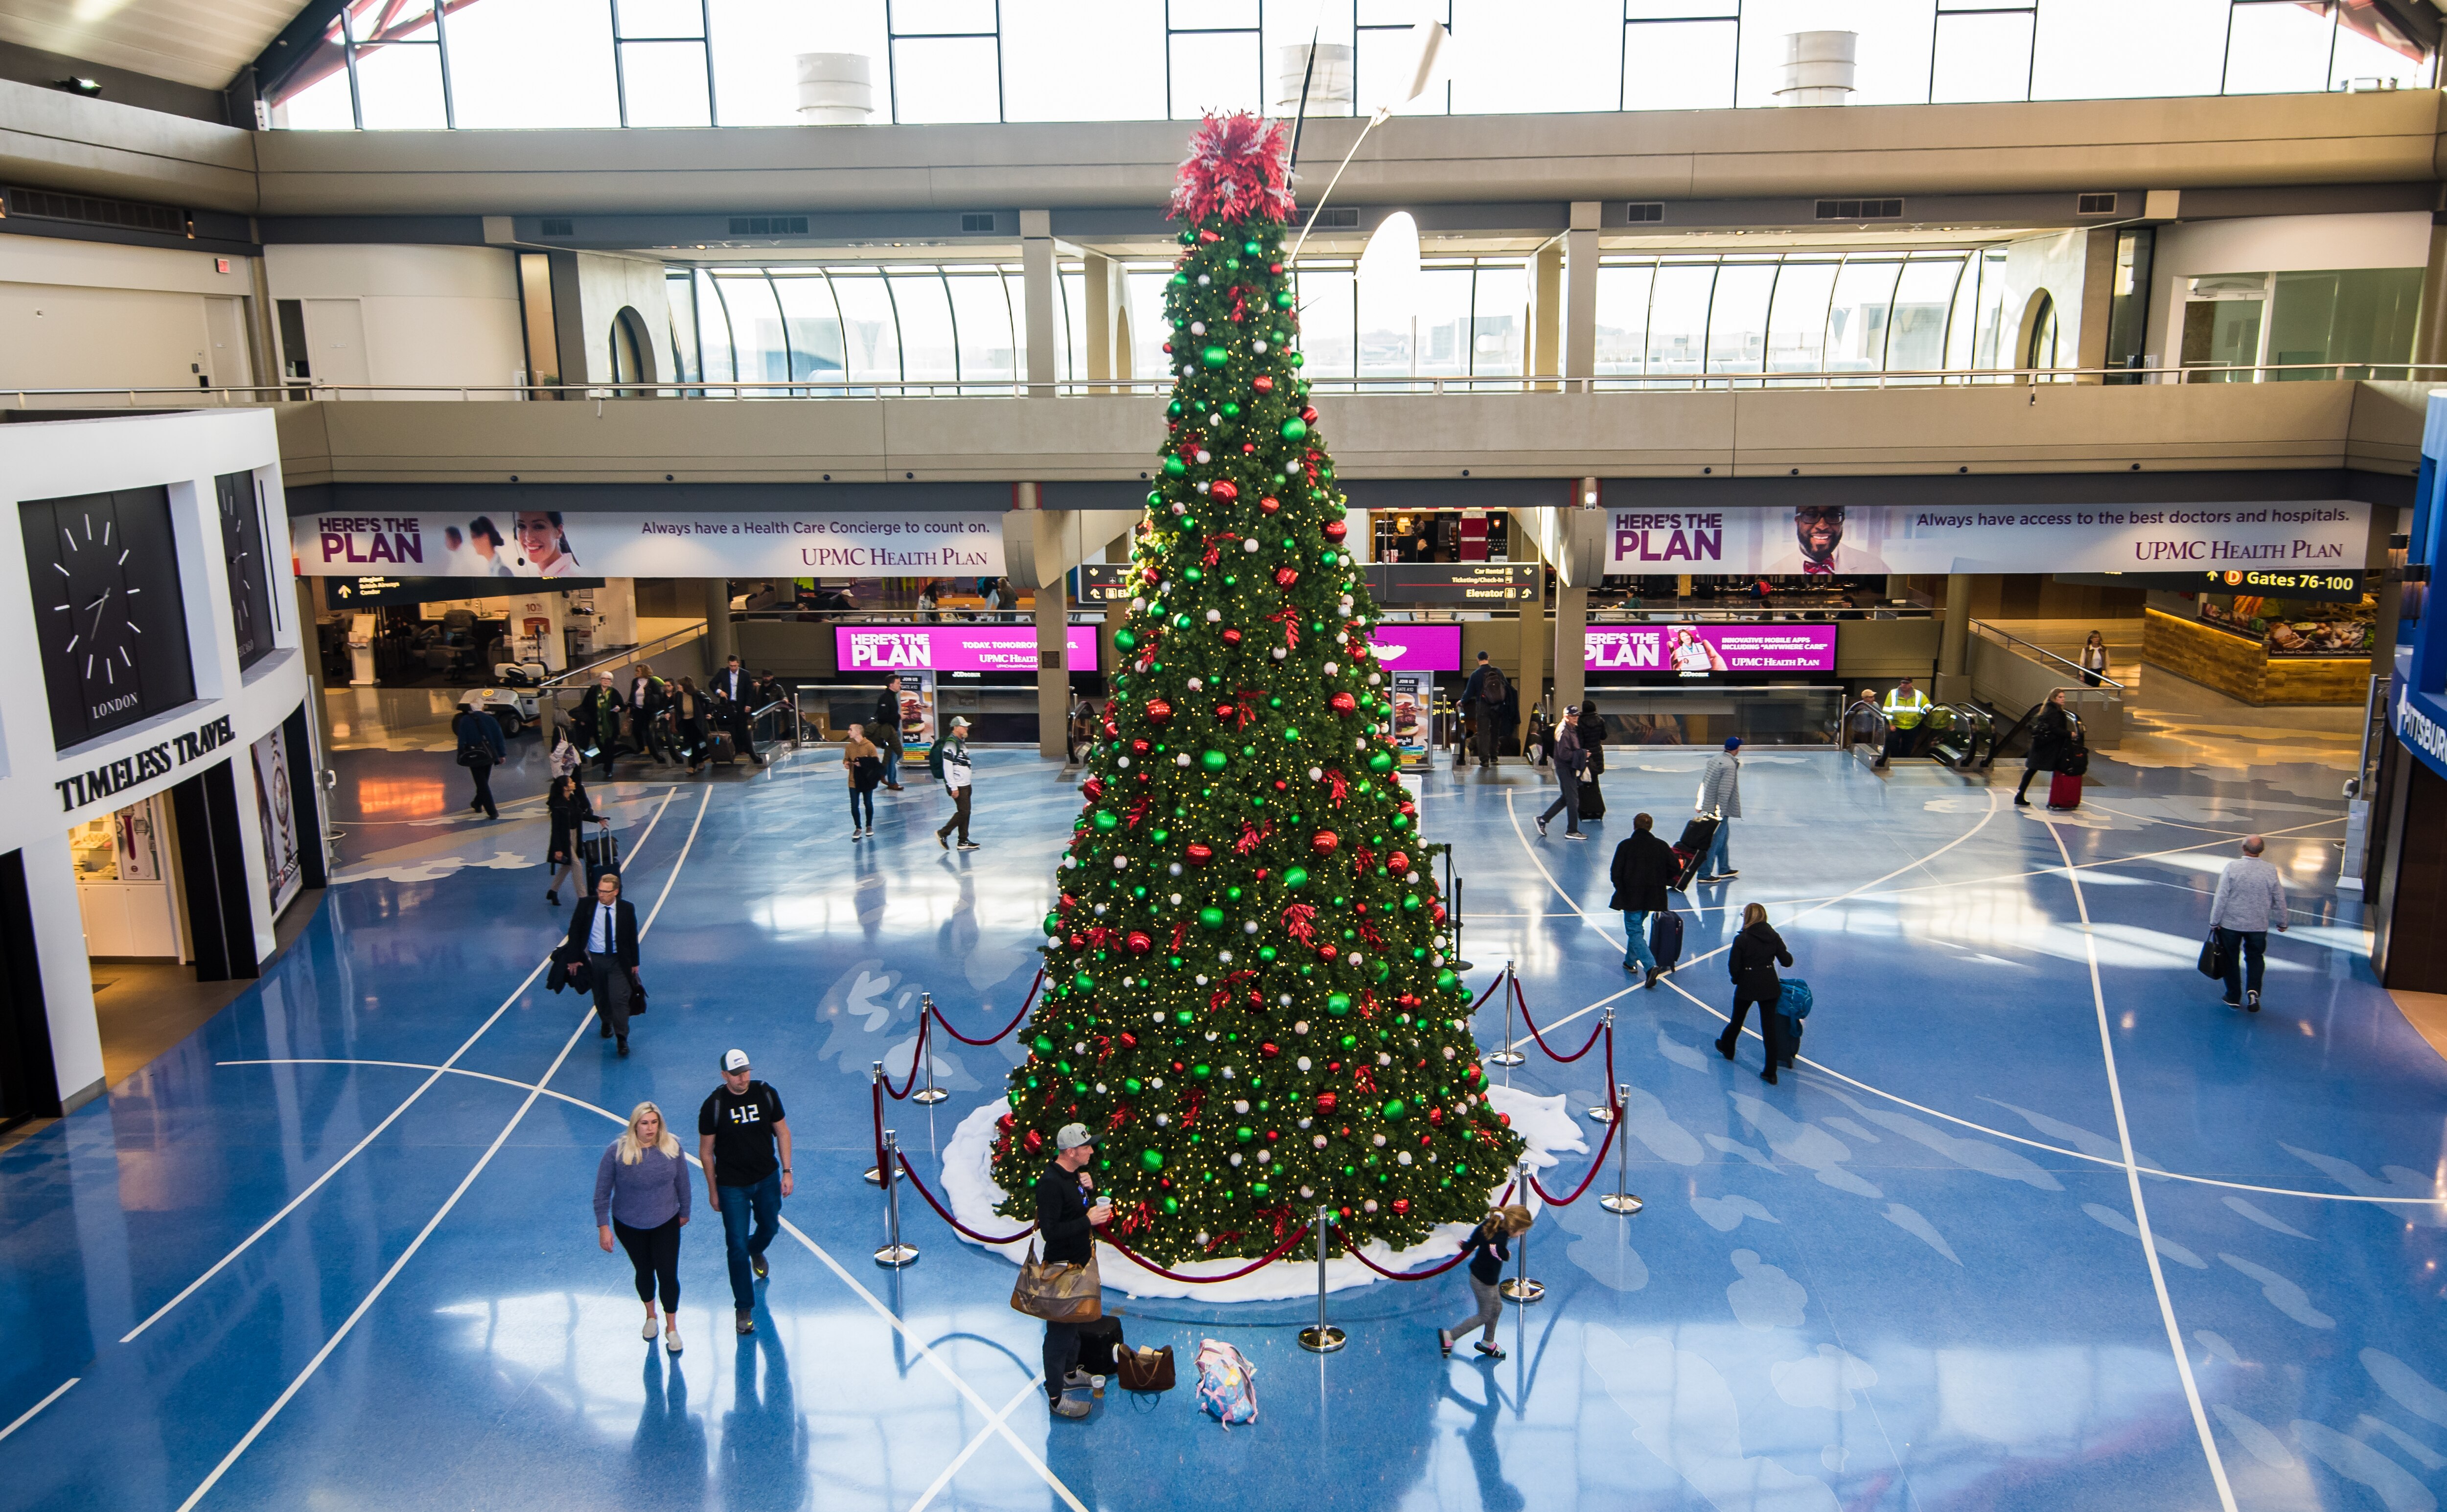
{"x":1818,"y":68}
{"x":835,"y":89}
{"x":1329,"y":87}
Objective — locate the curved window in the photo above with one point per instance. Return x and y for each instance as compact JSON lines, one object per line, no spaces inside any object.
{"x":2040,"y":348}
{"x":632,"y":350}
{"x":419,"y":63}
{"x":812,"y":322}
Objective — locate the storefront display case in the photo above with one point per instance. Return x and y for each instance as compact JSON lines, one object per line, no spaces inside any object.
{"x":2263,"y":649}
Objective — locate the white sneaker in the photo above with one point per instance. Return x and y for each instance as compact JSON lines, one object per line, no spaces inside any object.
{"x":649,"y":1331}
{"x":672,"y":1337}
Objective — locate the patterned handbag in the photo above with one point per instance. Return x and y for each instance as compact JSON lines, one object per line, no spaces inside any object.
{"x":1058,"y":1293}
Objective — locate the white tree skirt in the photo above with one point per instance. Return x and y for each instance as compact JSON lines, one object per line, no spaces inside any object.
{"x":1545,"y":1123}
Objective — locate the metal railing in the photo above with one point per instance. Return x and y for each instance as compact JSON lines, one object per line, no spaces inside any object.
{"x":2041,"y":654}
{"x":298,"y":390}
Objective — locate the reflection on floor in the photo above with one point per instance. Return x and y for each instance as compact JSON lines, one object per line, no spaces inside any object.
{"x":295,"y":1263}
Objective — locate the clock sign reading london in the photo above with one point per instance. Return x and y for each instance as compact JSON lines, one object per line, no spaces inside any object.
{"x":108,"y":615}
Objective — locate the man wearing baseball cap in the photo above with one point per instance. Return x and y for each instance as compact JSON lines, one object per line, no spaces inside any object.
{"x":745,"y":1143}
{"x":952,"y":765}
{"x":1067,"y":1224}
{"x":1721,"y":793}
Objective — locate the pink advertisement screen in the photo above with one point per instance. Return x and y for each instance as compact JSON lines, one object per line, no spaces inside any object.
{"x":1418,"y":648}
{"x":953,"y":648}
{"x":1701,"y":648}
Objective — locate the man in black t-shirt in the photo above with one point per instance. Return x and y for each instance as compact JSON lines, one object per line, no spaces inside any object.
{"x":745,"y":1143}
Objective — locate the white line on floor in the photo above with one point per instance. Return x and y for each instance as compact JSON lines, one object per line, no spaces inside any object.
{"x":61,"y":1390}
{"x":2132,"y":1181}
{"x":1027,"y":1390}
{"x":372,"y":1134}
{"x":349,"y":1325}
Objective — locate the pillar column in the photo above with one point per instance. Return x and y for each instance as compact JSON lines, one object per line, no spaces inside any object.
{"x":1533,"y":647}
{"x":2429,"y":331}
{"x":1038,"y":294}
{"x":1953,"y":673}
{"x":1103,"y":318}
{"x":1571,"y":645}
{"x":1580,"y":291}
{"x":1052,"y":669}
{"x":718,"y":643}
{"x":1544,"y":356}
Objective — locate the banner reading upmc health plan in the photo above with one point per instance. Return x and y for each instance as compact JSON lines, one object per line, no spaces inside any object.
{"x":955,"y":648}
{"x":549,"y":543}
{"x":1698,"y":649}
{"x":1872,"y":539}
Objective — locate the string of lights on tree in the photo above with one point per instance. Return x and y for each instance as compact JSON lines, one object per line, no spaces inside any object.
{"x":1250,"y":997}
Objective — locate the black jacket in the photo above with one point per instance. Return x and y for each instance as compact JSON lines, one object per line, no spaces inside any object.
{"x":2051,"y":736}
{"x":568,"y":814}
{"x":1488,"y":1254}
{"x":738,"y":689}
{"x":884,"y":729}
{"x":1062,"y":1218}
{"x":1643,"y":868}
{"x":1758,"y":951}
{"x":658,"y":693}
{"x":624,"y":931}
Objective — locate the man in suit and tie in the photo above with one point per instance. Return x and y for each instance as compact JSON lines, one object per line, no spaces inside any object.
{"x":736,"y":693}
{"x":604,"y":929}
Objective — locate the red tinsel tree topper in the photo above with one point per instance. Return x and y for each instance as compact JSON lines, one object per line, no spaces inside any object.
{"x":1235,"y":170}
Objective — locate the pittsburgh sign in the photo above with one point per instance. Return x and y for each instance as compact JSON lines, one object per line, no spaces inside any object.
{"x":112,"y":778}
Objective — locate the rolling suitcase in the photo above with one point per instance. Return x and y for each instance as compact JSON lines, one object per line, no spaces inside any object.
{"x":1693,"y":848}
{"x":601,"y":851}
{"x":2064,"y":790}
{"x":1665,"y":938}
{"x":1592,"y":800}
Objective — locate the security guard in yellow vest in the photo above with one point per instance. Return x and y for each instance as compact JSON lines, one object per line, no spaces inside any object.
{"x":1906,"y":706}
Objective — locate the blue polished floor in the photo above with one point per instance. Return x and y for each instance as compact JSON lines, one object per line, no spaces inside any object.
{"x":293,"y":1264}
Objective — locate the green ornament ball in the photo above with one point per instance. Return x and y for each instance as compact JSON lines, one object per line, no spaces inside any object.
{"x":1381,"y":761}
{"x":1296,"y":877}
{"x":1338,"y":1005}
{"x":1083,"y":981}
{"x":1212,"y":918}
{"x":1154,"y":1160}
{"x":1107,"y":819}
{"x":1294,"y":428}
{"x":1175,"y":467}
{"x":1394,"y":1109}
{"x":1126,"y":639}
{"x":1213,"y":761}
{"x":1215,"y":356}
{"x":1447,"y":980}
{"x":1044,"y":1046}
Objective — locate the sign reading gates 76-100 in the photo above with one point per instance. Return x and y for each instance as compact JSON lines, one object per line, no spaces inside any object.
{"x":1873,"y":540}
{"x":550,"y":543}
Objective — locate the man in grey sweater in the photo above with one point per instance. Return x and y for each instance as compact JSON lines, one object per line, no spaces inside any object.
{"x":1721,"y":793}
{"x":2250,"y":900}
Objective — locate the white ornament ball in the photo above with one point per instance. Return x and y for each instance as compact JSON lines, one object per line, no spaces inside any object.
{"x":1198,"y":327}
{"x":1319,"y":1141}
{"x":1250,"y":544}
{"x":1258,"y":346}
{"x":1302,"y":1063}
{"x":1300,"y":1028}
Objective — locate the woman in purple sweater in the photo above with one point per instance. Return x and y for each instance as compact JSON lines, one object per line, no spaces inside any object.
{"x":641,"y":1198}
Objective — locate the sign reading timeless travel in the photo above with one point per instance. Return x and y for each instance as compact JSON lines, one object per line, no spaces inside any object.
{"x":712,"y":543}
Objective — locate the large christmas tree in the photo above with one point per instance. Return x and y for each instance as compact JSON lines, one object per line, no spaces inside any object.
{"x":1248,"y":991}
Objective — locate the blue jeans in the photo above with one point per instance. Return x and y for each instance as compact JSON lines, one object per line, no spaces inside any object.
{"x":1635,"y":941}
{"x":892,"y":764}
{"x":764,"y":1200}
{"x":1719,"y":859}
{"x":865,"y":796}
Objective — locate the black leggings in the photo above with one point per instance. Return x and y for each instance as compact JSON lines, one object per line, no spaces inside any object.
{"x":1770,"y":1028}
{"x":656,"y":1252}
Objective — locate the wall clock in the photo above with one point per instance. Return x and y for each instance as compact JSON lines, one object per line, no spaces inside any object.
{"x":109,"y":619}
{"x":242,"y":554}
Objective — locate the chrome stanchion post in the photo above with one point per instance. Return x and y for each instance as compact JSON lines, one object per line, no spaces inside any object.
{"x":930,"y":1094}
{"x":894,"y":1254}
{"x":1620,"y":1199}
{"x":1324,"y":1338}
{"x":875,"y":1173}
{"x":1520,"y":1289}
{"x":1507,"y":1056}
{"x":1603,"y":1112}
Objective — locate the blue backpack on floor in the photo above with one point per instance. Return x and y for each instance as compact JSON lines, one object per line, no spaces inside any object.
{"x":1226,"y":1383}
{"x":1794,"y":1001}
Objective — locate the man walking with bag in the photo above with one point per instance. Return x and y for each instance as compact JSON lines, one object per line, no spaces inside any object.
{"x":1721,"y":793}
{"x":744,"y":1142}
{"x":2250,"y":901}
{"x":479,"y":746}
{"x":951,"y":765}
{"x":1066,"y":1223}
{"x":1643,"y":867}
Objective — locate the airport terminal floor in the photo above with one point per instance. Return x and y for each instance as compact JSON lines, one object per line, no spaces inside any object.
{"x":335,"y":1249}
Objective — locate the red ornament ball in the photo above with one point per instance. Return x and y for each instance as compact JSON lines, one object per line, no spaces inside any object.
{"x":1324,"y":1104}
{"x":1309,"y":414}
{"x":1139,"y":943}
{"x":1034,"y":1141}
{"x":1401,"y":1205}
{"x":1158,"y":711}
{"x":1270,"y":503}
{"x":1285,"y":577}
{"x":1199,"y":855}
{"x":1323,"y":842}
{"x":1093,"y":787}
{"x":1342,"y":703}
{"x":1139,"y":748}
{"x":1505,"y":1119}
{"x":1336,"y":530}
{"x":1224,"y":489}
{"x":1262,"y":384}
{"x":1231,"y":638}
{"x":1269,"y":1050}
{"x":1397,"y":862}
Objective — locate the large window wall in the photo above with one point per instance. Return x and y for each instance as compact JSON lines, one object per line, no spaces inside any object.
{"x":411,"y":64}
{"x":863,"y":327}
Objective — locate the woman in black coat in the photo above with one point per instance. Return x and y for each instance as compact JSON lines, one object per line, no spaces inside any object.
{"x":2051,"y":737}
{"x":1757,"y":952}
{"x":610,"y":952}
{"x":569,"y":813}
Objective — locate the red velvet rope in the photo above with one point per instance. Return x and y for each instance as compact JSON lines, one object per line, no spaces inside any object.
{"x":1405,"y":1275}
{"x":916,"y":1063}
{"x":1522,"y":1003}
{"x":877,"y":1083}
{"x":1278,"y":1253}
{"x":945,"y":1214}
{"x":1500,"y":978}
{"x":1007,"y":1028}
{"x":1595,"y":1165}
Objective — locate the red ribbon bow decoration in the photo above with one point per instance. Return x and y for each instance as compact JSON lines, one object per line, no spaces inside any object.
{"x":1337,"y":786}
{"x":1297,"y":921}
{"x":1235,"y":170}
{"x":1251,"y":835}
{"x":1288,"y":617}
